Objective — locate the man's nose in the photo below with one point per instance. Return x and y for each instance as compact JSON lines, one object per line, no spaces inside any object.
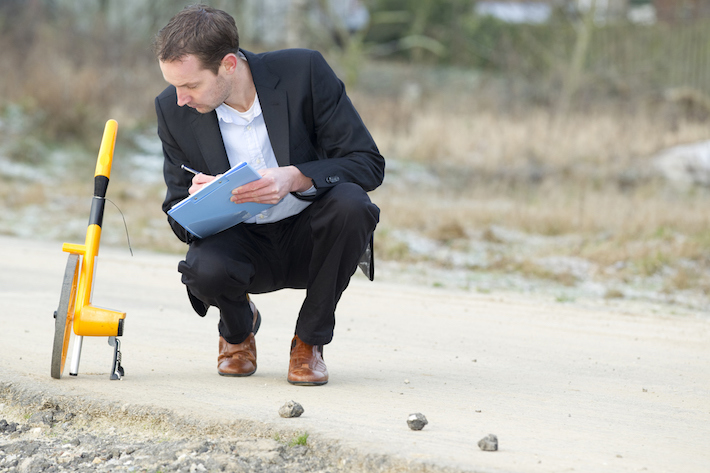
{"x":182,"y":98}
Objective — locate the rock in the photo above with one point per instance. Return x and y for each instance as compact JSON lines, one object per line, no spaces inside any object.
{"x":42,"y":417}
{"x":488,"y":443}
{"x":291,"y":409}
{"x":416,"y":421}
{"x":6,"y":427}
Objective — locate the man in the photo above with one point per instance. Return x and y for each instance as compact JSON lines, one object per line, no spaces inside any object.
{"x":286,"y":114}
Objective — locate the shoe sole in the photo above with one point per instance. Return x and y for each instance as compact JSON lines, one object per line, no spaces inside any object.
{"x":307,"y":383}
{"x":235,"y":375}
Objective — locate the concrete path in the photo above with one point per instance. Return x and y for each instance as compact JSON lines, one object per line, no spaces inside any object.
{"x":564,"y":388}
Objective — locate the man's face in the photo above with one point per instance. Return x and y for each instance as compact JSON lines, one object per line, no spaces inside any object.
{"x":196,"y":87}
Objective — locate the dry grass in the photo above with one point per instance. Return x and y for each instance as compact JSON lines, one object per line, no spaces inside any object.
{"x":429,"y":130}
{"x":67,"y":81}
{"x":588,"y":175}
{"x":465,"y":155}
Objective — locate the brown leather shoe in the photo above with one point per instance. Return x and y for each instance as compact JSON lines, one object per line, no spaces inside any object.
{"x":306,"y":367}
{"x":240,"y":359}
{"x":237,"y":360}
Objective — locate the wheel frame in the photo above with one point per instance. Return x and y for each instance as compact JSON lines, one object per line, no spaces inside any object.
{"x":64,"y":316}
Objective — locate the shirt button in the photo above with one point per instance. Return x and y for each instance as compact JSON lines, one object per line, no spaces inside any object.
{"x":248,"y":127}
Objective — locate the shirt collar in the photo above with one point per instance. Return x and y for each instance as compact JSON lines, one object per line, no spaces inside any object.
{"x":227,"y":114}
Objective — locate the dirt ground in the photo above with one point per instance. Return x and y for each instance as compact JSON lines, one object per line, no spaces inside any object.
{"x":563,"y":386}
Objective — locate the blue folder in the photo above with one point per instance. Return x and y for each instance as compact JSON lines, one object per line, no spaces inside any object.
{"x":209,"y":210}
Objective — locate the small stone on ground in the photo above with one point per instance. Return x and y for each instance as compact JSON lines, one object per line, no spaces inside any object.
{"x":291,"y":409}
{"x":488,"y":443}
{"x":416,"y":421}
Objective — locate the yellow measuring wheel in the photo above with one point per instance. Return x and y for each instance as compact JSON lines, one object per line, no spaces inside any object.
{"x":75,"y":312}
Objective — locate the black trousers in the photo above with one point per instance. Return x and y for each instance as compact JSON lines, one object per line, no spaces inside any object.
{"x":317,"y":250}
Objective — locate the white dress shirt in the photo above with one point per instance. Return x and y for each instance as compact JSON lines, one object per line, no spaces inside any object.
{"x":246,"y":140}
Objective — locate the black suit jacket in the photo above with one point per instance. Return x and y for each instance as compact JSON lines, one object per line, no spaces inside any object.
{"x":310,"y":121}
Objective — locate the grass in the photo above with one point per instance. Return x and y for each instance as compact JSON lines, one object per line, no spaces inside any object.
{"x":464,"y":157}
{"x":644,"y":226}
{"x":462,"y":167}
{"x":589,"y":186}
{"x":301,"y":440}
{"x":643,"y":222}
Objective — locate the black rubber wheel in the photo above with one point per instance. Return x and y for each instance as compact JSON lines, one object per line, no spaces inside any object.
{"x":64,"y":316}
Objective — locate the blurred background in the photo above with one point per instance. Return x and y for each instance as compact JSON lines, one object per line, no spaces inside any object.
{"x":559,"y":147}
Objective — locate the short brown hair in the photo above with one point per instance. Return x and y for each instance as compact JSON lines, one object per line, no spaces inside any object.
{"x":200,"y":30}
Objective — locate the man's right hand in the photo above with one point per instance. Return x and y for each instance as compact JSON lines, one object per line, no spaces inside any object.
{"x":199,"y":181}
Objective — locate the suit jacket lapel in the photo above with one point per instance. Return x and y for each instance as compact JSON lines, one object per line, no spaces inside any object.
{"x":273,"y":106}
{"x":209,"y":139}
{"x":275,"y":111}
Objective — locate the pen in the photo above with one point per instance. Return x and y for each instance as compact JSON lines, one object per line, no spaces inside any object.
{"x":190,"y":169}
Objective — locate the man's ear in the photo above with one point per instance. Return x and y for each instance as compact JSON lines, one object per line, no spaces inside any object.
{"x":229,"y":62}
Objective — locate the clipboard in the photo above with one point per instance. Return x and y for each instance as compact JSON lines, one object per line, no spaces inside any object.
{"x":209,"y":210}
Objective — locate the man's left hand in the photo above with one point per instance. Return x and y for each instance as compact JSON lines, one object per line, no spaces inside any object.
{"x":274,"y":185}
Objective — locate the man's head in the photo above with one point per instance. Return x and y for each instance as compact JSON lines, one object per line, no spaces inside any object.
{"x":198,"y":51}
{"x":201,"y":31}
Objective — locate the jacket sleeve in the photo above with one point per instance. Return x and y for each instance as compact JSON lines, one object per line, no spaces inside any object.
{"x":176,"y":180}
{"x":348,"y":152}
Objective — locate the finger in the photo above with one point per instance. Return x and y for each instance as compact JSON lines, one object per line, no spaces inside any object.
{"x":252,"y":188}
{"x":271,"y":197}
{"x":201,"y":179}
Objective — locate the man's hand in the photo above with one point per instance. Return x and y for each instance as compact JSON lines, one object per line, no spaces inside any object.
{"x":274,"y":185}
{"x":200,"y":180}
